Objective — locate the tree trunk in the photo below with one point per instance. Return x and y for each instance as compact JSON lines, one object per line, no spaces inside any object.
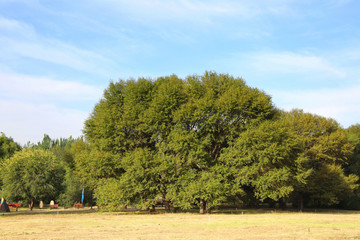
{"x":152,"y":209}
{"x":282,"y":203}
{"x":208,"y":208}
{"x":301,"y":202}
{"x":167,"y":206}
{"x":31,"y":204}
{"x":202,"y":206}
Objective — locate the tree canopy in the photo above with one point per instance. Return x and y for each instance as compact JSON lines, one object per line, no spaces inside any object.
{"x":298,"y":154}
{"x":7,"y":148}
{"x":179,"y":128}
{"x":32,"y":175}
{"x":202,"y":141}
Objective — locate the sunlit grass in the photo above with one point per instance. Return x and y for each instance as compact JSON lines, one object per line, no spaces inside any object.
{"x":241,"y":224}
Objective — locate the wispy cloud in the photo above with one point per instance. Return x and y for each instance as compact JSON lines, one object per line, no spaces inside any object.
{"x":174,"y":10}
{"x":286,"y":69}
{"x":31,"y":106}
{"x":325,"y":83}
{"x":160,"y":9}
{"x":187,"y":15}
{"x":57,"y":52}
{"x":288,"y":62}
{"x":338,"y":3}
{"x":46,"y":47}
{"x":28,"y":122}
{"x":341,"y":104}
{"x":13,"y":26}
{"x":46,"y":89}
{"x":20,"y":40}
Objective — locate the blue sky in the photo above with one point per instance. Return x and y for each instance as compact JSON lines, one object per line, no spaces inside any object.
{"x":57,"y":57}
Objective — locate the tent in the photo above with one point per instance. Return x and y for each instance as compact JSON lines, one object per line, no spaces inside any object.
{"x":4,"y":207}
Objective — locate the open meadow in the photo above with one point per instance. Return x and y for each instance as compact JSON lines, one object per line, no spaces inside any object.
{"x":90,"y":224}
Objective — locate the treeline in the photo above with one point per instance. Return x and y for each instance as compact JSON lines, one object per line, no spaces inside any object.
{"x":41,"y":172}
{"x":204,"y":141}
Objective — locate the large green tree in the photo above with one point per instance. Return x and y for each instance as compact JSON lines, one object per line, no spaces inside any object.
{"x":32,"y":175}
{"x":217,"y":110}
{"x":179,"y":128}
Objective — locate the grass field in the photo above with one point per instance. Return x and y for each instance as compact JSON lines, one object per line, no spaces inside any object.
{"x":89,"y":224}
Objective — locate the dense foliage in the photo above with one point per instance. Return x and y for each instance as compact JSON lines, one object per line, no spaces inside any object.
{"x":299,"y":154}
{"x":32,"y":174}
{"x":44,"y":171}
{"x":207,"y":139}
{"x":7,"y":148}
{"x":203,"y":141}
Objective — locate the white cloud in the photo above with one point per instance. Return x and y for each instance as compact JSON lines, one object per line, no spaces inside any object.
{"x":160,"y":9}
{"x":31,"y":106}
{"x":20,"y":40}
{"x":12,"y":26}
{"x":288,"y":62}
{"x":31,"y":88}
{"x":202,"y":11}
{"x":326,"y":83}
{"x":28,"y":122}
{"x":341,"y":104}
{"x":339,"y":3}
{"x":56,"y":52}
{"x":189,"y":14}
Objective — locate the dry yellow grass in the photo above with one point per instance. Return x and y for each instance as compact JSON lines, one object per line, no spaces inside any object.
{"x":93,"y":225}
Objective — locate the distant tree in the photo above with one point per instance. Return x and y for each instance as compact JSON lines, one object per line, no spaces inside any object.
{"x":65,"y":150}
{"x":7,"y":148}
{"x":48,"y":143}
{"x":60,"y":147}
{"x":73,"y":190}
{"x":32,"y":175}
